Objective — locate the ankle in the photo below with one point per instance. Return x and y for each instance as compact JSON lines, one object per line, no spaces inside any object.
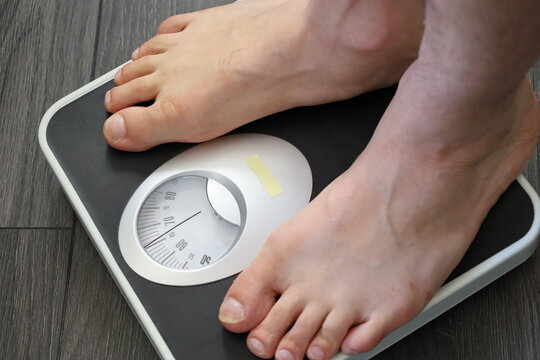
{"x":475,"y":127}
{"x":372,"y":25}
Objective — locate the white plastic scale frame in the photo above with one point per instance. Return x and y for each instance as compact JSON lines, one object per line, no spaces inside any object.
{"x":448,"y":296}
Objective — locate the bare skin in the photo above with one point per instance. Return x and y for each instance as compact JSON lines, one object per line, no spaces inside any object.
{"x":212,"y":71}
{"x":371,"y":250}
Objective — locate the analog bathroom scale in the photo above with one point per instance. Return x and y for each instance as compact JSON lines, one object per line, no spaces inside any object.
{"x":177,"y":223}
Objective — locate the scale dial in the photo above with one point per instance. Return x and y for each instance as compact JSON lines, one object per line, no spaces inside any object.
{"x":204,"y":214}
{"x":179,"y":227}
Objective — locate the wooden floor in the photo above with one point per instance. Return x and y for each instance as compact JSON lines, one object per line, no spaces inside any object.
{"x":57,"y":300}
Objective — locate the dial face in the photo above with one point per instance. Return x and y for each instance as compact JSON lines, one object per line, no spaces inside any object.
{"x":179,"y":228}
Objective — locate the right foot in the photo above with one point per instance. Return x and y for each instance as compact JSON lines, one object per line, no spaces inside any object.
{"x":371,"y":250}
{"x":212,"y":71}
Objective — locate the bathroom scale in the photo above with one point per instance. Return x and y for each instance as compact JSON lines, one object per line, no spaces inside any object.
{"x":176,"y":224}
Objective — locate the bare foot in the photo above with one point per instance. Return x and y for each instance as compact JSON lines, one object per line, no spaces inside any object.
{"x":371,"y":250}
{"x":212,"y":71}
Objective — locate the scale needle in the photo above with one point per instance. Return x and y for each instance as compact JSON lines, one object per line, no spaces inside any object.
{"x":168,"y":231}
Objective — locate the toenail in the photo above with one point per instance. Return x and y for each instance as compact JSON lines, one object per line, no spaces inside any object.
{"x":315,"y":353}
{"x":231,"y":311}
{"x":116,"y":76}
{"x":108,"y":97}
{"x":349,"y":351}
{"x":116,"y":127}
{"x":135,"y":53}
{"x":256,"y":346}
{"x":284,"y":354}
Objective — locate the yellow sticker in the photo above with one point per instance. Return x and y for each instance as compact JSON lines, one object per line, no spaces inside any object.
{"x":268,"y":181}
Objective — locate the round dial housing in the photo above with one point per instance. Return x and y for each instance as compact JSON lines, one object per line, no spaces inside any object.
{"x":179,"y":227}
{"x":204,"y":214}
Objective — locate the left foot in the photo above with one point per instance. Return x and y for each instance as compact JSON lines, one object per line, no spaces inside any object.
{"x":212,"y":71}
{"x":371,"y":250}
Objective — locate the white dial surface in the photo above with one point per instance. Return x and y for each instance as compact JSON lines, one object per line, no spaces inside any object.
{"x":179,"y":228}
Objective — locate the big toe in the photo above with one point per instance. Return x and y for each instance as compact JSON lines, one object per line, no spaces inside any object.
{"x":139,"y":128}
{"x":249,"y":299}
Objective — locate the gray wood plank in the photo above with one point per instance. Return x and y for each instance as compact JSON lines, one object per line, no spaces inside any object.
{"x":45,"y":52}
{"x":531,"y":171}
{"x":534,"y":76}
{"x":33,"y":271}
{"x":98,"y":321}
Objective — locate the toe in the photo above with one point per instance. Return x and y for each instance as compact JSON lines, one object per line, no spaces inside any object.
{"x":294,"y":344}
{"x":176,"y":23}
{"x":137,"y":128}
{"x":156,"y":45}
{"x":366,"y":336}
{"x":136,"y":69}
{"x":139,"y":90}
{"x":263,"y":340}
{"x":331,"y":334}
{"x":249,"y":298}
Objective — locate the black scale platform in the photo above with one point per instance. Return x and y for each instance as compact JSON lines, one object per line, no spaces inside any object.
{"x":330,"y":137}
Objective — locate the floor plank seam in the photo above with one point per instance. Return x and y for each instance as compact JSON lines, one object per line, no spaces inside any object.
{"x":36,"y":228}
{"x":96,"y":41}
{"x":66,"y":289}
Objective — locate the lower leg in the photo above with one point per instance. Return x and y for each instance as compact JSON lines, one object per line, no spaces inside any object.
{"x":473,"y":55}
{"x":481,"y":47}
